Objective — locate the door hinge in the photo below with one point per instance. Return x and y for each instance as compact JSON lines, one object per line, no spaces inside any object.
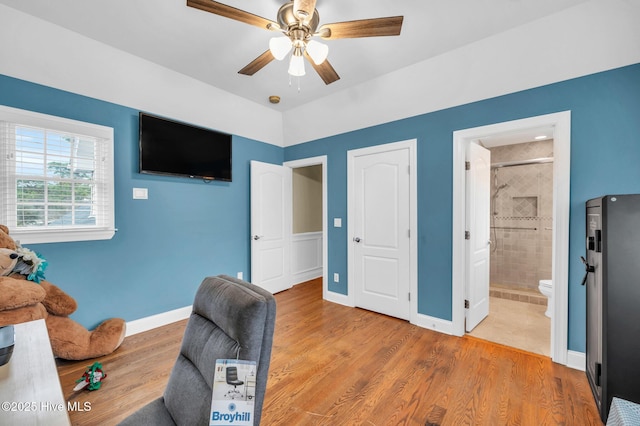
{"x":467,"y":165}
{"x":467,"y":235}
{"x":408,"y":169}
{"x":409,"y":296}
{"x":466,"y":304}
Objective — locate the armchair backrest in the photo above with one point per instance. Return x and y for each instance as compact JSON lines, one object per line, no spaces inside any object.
{"x":230,"y":319}
{"x":267,"y":342}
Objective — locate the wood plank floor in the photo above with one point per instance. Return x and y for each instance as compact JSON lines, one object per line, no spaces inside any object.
{"x":334,"y":365}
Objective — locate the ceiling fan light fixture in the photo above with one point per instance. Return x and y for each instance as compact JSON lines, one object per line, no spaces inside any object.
{"x":299,"y":20}
{"x":280,"y":47}
{"x":296,"y":65}
{"x":318,"y":51}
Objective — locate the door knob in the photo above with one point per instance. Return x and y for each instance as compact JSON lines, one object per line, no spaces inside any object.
{"x":357,"y":239}
{"x":257,"y":237}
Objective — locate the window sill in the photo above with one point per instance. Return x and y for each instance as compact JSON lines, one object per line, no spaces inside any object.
{"x":61,"y":236}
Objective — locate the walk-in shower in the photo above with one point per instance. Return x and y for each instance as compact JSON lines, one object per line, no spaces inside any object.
{"x":521,"y":215}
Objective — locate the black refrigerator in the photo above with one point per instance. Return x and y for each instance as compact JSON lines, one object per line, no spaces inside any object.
{"x":613,"y":299}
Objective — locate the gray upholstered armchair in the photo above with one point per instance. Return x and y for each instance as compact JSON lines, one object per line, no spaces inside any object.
{"x":231,"y":318}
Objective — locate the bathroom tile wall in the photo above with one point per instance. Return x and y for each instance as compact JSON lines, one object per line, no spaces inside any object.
{"x":521,"y":216}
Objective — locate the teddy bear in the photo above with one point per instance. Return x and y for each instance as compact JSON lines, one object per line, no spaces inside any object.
{"x":23,"y":300}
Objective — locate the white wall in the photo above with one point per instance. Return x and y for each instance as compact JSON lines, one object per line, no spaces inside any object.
{"x":35,"y":50}
{"x":588,"y":38}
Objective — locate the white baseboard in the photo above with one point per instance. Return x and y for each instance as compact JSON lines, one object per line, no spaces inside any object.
{"x":153,"y":321}
{"x":577,"y":360}
{"x":338,"y":298}
{"x":303,"y":277}
{"x":433,"y":323}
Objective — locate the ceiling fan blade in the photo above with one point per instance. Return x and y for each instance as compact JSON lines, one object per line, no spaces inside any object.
{"x":257,"y":64}
{"x":324,"y":70}
{"x":233,"y":13}
{"x":375,"y":27}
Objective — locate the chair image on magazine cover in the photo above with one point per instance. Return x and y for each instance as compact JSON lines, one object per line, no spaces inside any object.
{"x":232,"y":379}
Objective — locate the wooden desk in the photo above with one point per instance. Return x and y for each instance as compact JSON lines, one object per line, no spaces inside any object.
{"x":30,"y":392}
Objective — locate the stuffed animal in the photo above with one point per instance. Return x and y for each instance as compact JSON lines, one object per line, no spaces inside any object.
{"x":8,"y":261}
{"x":23,"y":299}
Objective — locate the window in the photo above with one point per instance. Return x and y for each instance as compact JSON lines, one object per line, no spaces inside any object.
{"x":56,"y":179}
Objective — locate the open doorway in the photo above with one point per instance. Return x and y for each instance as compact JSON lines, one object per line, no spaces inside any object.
{"x":560,"y":123}
{"x":309,"y":220}
{"x":521,"y":219}
{"x":307,"y":225}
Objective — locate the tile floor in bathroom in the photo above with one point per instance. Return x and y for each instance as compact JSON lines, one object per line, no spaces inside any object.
{"x":517,"y":324}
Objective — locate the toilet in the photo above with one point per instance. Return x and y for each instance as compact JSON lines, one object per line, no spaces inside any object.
{"x":546,"y":288}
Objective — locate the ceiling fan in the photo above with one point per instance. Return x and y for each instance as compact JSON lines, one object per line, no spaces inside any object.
{"x":298,"y":20}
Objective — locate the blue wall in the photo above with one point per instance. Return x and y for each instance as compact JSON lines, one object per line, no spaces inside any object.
{"x":187,"y":229}
{"x":605,"y":158}
{"x":165,"y":245}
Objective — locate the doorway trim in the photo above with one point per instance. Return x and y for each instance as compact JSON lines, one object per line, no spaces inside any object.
{"x":410,"y":144}
{"x":314,"y":161}
{"x":561,"y":123}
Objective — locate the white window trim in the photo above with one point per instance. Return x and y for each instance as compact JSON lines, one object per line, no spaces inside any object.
{"x":104,"y":231}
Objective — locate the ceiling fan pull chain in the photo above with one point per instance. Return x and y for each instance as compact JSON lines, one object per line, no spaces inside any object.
{"x":291,"y":82}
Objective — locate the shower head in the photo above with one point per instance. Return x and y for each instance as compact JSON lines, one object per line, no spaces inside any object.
{"x":495,"y":194}
{"x":498,"y":189}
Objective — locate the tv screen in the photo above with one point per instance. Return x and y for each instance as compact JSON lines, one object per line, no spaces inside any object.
{"x":169,"y":147}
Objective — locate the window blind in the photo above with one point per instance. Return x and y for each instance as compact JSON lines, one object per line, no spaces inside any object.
{"x":57,"y":178}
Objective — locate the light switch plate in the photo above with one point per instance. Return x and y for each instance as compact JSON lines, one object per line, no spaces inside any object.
{"x":140,"y":193}
{"x":337,"y":222}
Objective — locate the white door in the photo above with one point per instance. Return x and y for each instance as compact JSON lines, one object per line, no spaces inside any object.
{"x":270,"y":226}
{"x":478,"y":243}
{"x":379,"y":227}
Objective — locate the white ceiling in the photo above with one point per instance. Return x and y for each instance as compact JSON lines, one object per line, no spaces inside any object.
{"x":519,"y":136}
{"x":212,"y":49}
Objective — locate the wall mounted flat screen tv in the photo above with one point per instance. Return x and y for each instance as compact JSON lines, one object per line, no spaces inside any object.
{"x":169,"y":147}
